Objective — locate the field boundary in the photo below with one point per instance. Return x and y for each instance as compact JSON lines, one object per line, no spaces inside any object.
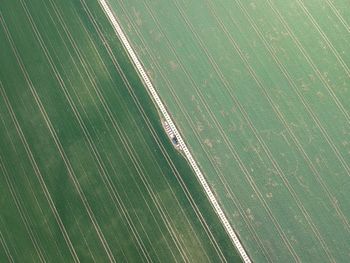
{"x":119,"y":32}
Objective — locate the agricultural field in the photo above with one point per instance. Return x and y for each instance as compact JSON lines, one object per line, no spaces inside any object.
{"x":87,"y":173}
{"x":261,"y":93}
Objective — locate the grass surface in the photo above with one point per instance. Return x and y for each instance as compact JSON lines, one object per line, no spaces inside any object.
{"x":260,"y":91}
{"x":86,"y":170}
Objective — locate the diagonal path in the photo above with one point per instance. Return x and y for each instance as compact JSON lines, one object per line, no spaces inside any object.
{"x":182,"y":144}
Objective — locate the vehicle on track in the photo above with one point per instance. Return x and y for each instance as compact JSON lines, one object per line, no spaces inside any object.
{"x":171,"y":135}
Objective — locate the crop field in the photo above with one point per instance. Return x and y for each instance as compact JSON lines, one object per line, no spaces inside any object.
{"x":261,"y":93}
{"x":87,"y":173}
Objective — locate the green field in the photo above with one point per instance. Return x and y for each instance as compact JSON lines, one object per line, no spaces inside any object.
{"x":261,"y":93}
{"x":87,"y":172}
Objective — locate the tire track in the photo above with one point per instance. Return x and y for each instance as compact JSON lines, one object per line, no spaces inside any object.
{"x":183,"y":186}
{"x":58,"y":143}
{"x":290,"y":80}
